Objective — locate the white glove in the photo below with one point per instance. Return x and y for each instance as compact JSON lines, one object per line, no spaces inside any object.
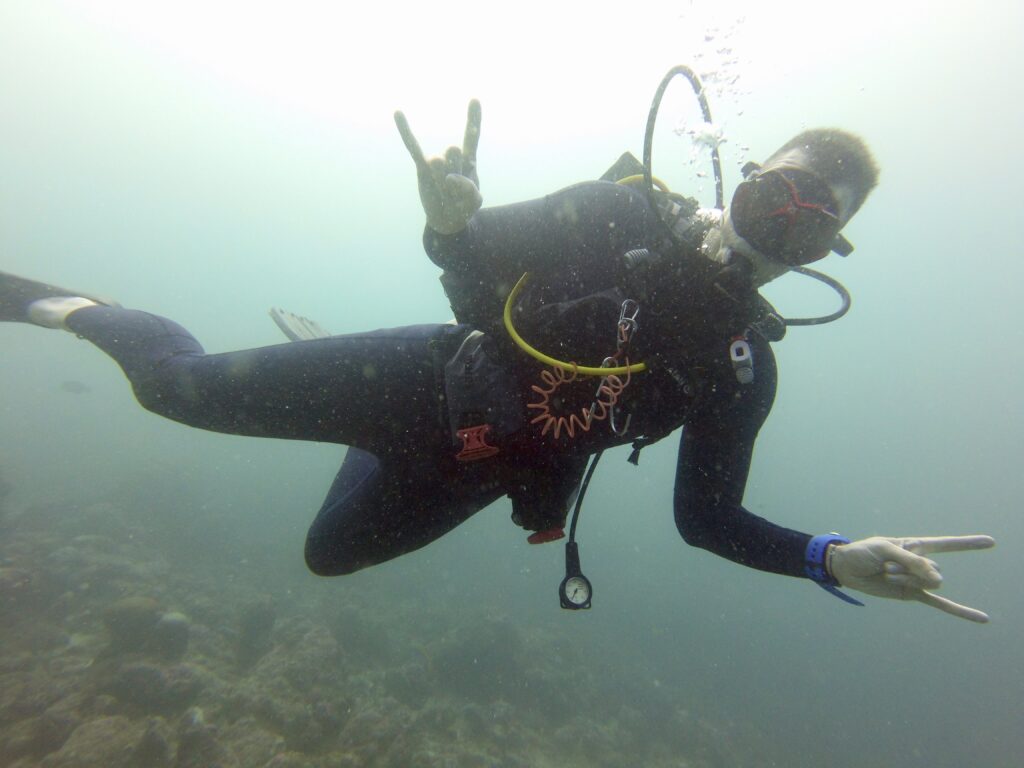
{"x":894,"y":568}
{"x":449,"y":187}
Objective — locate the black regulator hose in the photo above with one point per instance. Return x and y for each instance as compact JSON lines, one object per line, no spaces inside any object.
{"x":832,"y":283}
{"x":581,"y":494}
{"x":716,"y":162}
{"x":652,"y":118}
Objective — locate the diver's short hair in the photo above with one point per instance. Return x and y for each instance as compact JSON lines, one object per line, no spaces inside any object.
{"x":839,"y":157}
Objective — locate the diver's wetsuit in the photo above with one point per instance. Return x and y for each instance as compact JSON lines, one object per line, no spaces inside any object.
{"x":572,"y":244}
{"x":400,"y":486}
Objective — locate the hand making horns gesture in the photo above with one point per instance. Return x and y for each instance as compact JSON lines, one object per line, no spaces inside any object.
{"x":896,"y":568}
{"x":449,"y":187}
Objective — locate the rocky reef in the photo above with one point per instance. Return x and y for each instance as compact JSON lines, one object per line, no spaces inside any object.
{"x":115,"y":653}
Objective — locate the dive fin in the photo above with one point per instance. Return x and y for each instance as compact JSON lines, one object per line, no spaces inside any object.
{"x":297,"y":328}
{"x":626,"y":165}
{"x":17,"y":293}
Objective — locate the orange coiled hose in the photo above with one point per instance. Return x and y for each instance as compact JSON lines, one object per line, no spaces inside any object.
{"x":607,"y":396}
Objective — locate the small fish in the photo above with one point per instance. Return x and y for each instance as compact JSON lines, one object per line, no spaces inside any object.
{"x":75,"y":387}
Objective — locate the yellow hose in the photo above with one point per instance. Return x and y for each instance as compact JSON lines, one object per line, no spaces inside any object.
{"x":622,"y":370}
{"x":637,"y":178}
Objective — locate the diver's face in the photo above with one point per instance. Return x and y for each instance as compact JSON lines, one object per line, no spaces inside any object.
{"x":786,"y":213}
{"x":798,"y":158}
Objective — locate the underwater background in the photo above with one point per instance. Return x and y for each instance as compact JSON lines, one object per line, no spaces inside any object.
{"x":206,"y":161}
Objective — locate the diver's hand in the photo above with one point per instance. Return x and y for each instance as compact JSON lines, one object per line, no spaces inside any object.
{"x":895,"y":568}
{"x":449,"y":187}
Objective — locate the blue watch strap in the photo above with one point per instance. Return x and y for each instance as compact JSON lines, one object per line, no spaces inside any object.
{"x":814,"y":565}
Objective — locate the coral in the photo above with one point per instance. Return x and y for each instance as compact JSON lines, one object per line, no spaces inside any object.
{"x":131,"y":621}
{"x":251,"y":743}
{"x":154,"y":689}
{"x":23,"y":739}
{"x":170,"y":635}
{"x":54,"y":726}
{"x":255,"y":623}
{"x":154,"y":748}
{"x":294,"y":688}
{"x":113,"y":742}
{"x":484,"y":662}
{"x":297,"y":760}
{"x":199,"y":746}
{"x":27,"y":694}
{"x":275,"y":670}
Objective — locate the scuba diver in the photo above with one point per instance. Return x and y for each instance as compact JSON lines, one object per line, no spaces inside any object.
{"x":604,"y":314}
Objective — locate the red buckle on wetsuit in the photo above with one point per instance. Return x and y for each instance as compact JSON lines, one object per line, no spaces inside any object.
{"x":474,"y":443}
{"x":543,"y":537}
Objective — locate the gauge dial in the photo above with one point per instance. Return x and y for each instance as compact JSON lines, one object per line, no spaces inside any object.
{"x":576,"y":590}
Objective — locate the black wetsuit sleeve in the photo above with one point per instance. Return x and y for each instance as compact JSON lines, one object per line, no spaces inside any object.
{"x":714,"y":459}
{"x":583,"y":227}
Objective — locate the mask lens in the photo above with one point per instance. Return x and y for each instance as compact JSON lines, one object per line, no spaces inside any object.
{"x":787,"y":214}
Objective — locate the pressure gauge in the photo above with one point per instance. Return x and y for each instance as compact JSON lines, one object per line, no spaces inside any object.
{"x":574,"y":592}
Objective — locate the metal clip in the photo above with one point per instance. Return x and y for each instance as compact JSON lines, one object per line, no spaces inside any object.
{"x":612,"y":425}
{"x":627,"y":318}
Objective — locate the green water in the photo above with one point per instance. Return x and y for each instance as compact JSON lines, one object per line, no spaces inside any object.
{"x":206,"y":162}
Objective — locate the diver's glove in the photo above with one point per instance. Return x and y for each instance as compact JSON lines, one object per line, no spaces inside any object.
{"x":449,"y":187}
{"x":895,"y":568}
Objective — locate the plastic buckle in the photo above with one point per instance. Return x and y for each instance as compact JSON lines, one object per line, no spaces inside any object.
{"x":543,"y":537}
{"x":474,"y":443}
{"x":742,"y":360}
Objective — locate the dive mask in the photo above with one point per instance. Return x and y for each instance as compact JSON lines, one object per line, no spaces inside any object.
{"x":788,"y":214}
